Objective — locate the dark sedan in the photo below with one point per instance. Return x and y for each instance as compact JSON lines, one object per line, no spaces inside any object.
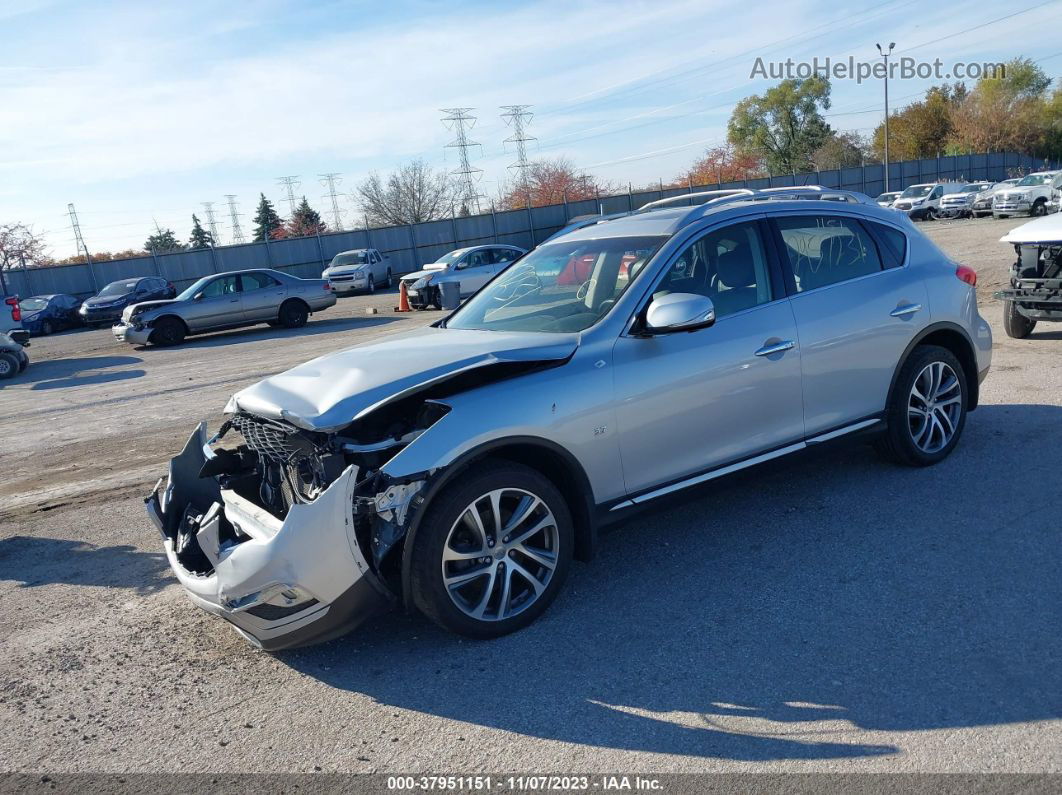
{"x":116,"y":296}
{"x":44,"y":314}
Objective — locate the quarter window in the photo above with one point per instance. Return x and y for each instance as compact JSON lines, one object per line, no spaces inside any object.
{"x":727,"y":265}
{"x":894,"y":243}
{"x":824,"y":250}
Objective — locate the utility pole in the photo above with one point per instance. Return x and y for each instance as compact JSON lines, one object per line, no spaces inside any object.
{"x":80,"y":241}
{"x":212,"y":222}
{"x":461,"y":121}
{"x":330,"y":181}
{"x":234,"y":219}
{"x":518,"y":117}
{"x":885,"y":56}
{"x":290,"y":184}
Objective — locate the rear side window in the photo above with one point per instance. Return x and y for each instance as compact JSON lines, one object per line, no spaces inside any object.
{"x":504,"y":254}
{"x":893,"y":242}
{"x":824,"y":250}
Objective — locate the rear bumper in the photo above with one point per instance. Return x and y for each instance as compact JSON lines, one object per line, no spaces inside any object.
{"x":279,"y":583}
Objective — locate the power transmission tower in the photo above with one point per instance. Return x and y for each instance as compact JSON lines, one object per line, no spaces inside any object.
{"x":234,"y":219}
{"x":460,"y":121}
{"x":291,"y":184}
{"x":330,"y":181}
{"x":78,"y":239}
{"x":518,"y":117}
{"x":212,"y":222}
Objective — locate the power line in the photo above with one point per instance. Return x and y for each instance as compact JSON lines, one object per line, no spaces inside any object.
{"x":212,"y":222}
{"x":461,"y":121}
{"x":234,"y":219}
{"x":517,"y":117}
{"x":290,"y":184}
{"x":330,"y":181}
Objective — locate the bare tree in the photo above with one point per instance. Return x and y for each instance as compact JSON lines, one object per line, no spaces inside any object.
{"x":21,"y":247}
{"x":410,"y":195}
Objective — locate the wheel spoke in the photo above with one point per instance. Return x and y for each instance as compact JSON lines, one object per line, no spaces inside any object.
{"x":942,"y":418}
{"x":506,"y":592}
{"x":541,"y":557}
{"x":481,"y":606}
{"x":473,"y":521}
{"x":532,"y":580}
{"x":450,"y":554}
{"x":465,"y":577}
{"x":524,"y":509}
{"x":495,"y":507}
{"x":534,"y":530}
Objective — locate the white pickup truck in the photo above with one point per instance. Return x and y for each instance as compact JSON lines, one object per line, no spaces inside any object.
{"x":1032,"y":195}
{"x":358,"y":270}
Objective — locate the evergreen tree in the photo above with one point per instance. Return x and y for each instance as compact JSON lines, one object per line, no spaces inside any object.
{"x":200,"y":237}
{"x":162,"y":241}
{"x":305,"y":221}
{"x":266,"y":219}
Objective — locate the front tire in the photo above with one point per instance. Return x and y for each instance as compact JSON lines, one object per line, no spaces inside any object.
{"x":1039,"y":208}
{"x":493,"y":552}
{"x":390,"y":279}
{"x":46,"y":328}
{"x":293,"y":314}
{"x":9,"y":365}
{"x":1015,"y":323}
{"x":372,"y":285}
{"x":927,"y":410}
{"x":167,"y":332}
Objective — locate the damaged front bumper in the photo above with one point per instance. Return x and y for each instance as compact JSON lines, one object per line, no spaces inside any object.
{"x":134,"y":335}
{"x":281,"y":583}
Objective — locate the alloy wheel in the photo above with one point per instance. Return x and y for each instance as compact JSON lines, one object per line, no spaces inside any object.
{"x":500,"y":554}
{"x":934,"y":407}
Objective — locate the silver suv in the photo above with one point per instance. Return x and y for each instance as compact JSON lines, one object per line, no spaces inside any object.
{"x":458,"y":469}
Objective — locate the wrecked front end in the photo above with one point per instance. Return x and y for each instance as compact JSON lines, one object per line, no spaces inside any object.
{"x":291,"y":535}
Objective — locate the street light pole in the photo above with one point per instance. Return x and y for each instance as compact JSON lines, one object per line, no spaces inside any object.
{"x":885,"y":55}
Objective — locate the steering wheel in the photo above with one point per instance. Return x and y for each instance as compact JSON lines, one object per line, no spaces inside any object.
{"x":584,"y":288}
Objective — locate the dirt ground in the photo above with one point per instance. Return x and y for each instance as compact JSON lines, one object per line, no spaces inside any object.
{"x":828,"y":612}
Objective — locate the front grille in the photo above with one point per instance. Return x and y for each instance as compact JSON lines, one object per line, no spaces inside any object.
{"x":270,"y":439}
{"x":340,"y":278}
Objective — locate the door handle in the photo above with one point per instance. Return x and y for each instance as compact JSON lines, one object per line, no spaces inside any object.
{"x":234,"y":300}
{"x":905,"y":310}
{"x":776,"y":347}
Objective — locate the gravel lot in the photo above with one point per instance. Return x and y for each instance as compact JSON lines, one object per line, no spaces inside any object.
{"x":827,"y":612}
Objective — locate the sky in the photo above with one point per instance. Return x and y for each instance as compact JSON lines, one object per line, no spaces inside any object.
{"x":140,"y":112}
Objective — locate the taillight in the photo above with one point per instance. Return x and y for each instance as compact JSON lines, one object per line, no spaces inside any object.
{"x":967,"y":274}
{"x":327,"y":286}
{"x":16,"y":310}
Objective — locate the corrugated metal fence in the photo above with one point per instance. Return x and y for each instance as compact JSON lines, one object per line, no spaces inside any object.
{"x":411,"y":246}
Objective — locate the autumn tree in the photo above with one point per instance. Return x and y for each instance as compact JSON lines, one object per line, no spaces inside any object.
{"x":841,"y":150}
{"x":21,"y":247}
{"x":200,"y":237}
{"x":785,"y":126}
{"x":922,"y":128}
{"x":103,"y":256}
{"x":305,"y":221}
{"x":552,"y":181}
{"x":162,"y":241}
{"x":412,"y":194}
{"x":718,"y":164}
{"x":267,"y":221}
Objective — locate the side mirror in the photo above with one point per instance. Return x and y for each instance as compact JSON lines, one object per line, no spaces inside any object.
{"x":679,"y":312}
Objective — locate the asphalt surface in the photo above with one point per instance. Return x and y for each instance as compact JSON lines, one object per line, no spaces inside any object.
{"x":825,"y":612}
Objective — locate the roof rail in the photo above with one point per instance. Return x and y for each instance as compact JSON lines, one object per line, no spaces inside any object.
{"x":711,"y":195}
{"x":784,"y":192}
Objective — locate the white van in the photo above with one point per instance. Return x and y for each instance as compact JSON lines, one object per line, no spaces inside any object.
{"x":923,"y":200}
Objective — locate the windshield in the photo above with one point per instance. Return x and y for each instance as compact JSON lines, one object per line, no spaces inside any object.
{"x":352,"y":258}
{"x":33,"y":304}
{"x":972,"y":188}
{"x":915,"y":191}
{"x":453,"y":256}
{"x":558,"y":287}
{"x":189,"y":292}
{"x":118,"y":288}
{"x":1034,"y":179}
{"x":886,"y":197}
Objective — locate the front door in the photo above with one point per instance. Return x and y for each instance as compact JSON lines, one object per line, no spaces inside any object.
{"x":857,"y":308}
{"x":688,"y":402}
{"x":217,"y":304}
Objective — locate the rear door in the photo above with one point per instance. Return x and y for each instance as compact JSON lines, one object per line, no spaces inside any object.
{"x":857,"y":305}
{"x":261,"y":295}
{"x":217,"y":304}
{"x":474,"y":270}
{"x":501,"y":258}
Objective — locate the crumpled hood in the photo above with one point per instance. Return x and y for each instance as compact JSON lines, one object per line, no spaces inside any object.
{"x":428,"y":269}
{"x":331,"y":391}
{"x":146,"y":306}
{"x":1047,"y":229}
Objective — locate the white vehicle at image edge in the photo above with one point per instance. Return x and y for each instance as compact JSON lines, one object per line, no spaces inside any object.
{"x":922,"y":201}
{"x":358,"y":270}
{"x":1031,"y":195}
{"x":457,"y":469}
{"x":470,"y":267}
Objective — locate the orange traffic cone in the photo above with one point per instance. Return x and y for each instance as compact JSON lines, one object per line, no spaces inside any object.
{"x":403,"y":299}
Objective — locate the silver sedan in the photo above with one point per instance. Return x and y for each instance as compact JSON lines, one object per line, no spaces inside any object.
{"x":225,"y":301}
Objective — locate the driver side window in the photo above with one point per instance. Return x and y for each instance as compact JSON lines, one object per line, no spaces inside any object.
{"x":728,"y":265}
{"x":226,"y":285}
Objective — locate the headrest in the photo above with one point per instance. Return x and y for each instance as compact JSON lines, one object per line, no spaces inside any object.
{"x":736,"y":268}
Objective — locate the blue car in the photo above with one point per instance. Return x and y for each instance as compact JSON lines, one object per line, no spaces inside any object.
{"x":45,"y":314}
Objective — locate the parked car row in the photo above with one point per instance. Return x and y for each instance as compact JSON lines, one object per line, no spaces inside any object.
{"x":1033,"y":195}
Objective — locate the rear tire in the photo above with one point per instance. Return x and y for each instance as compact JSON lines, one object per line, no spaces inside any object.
{"x":168,"y":331}
{"x":372,"y":285}
{"x":1015,"y":323}
{"x":927,"y":410}
{"x":9,"y":365}
{"x":293,"y":314}
{"x":500,"y":587}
